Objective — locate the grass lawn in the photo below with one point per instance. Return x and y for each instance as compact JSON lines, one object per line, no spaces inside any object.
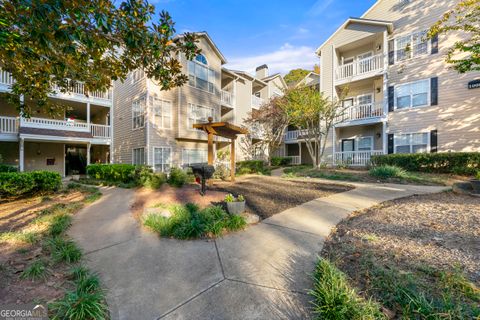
{"x":39,"y":263}
{"x":412,"y":258}
{"x":364,"y":176}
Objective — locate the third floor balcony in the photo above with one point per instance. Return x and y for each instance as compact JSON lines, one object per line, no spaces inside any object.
{"x":360,"y":68}
{"x":369,"y":112}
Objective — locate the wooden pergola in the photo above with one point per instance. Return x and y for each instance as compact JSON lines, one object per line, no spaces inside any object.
{"x":225,"y":130}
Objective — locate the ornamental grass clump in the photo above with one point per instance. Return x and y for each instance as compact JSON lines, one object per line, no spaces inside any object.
{"x":387,"y":171}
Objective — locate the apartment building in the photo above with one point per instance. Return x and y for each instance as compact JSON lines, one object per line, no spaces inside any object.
{"x":402,"y":97}
{"x":154,"y":127}
{"x":66,"y":143}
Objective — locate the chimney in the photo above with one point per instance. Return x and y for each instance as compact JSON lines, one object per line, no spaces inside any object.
{"x":261,"y":72}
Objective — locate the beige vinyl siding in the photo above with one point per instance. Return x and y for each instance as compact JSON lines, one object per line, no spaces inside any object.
{"x":125,"y":137}
{"x":37,"y":153}
{"x":357,"y":132}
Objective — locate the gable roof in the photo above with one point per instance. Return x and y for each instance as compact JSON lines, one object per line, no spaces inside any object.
{"x":387,"y":24}
{"x":206,"y":36}
{"x":311,"y":74}
{"x":273,"y":76}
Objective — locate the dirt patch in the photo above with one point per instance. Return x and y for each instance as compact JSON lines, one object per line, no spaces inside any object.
{"x":267,"y":196}
{"x":166,"y":195}
{"x":438,"y":231}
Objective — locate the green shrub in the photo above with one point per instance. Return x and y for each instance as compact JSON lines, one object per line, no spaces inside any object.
{"x":280,"y":161}
{"x":46,"y":181}
{"x":188,"y":222}
{"x":34,"y":271}
{"x":466,"y":163}
{"x":178,"y":177}
{"x":113,"y":172}
{"x":16,"y":184}
{"x":477,"y":176}
{"x":386,"y":172}
{"x":147,"y":178}
{"x":7,"y":168}
{"x":335,"y":299}
{"x":64,"y":250}
{"x":250,"y":166}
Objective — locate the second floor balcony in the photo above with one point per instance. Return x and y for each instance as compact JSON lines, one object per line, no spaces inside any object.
{"x":360,"y":69}
{"x":228,"y":99}
{"x":362,"y":112}
{"x":77,"y":91}
{"x":257,"y":101}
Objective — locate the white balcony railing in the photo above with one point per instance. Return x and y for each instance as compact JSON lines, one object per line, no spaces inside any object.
{"x":360,"y":67}
{"x":42,"y":123}
{"x":293,"y":135}
{"x":76,"y":89}
{"x":363,"y":111}
{"x":296,"y":160}
{"x":100,"y":131}
{"x":227,"y":98}
{"x":257,"y":102}
{"x":8,"y":125}
{"x":355,"y":158}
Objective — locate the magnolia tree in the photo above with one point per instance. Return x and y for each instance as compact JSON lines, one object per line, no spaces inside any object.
{"x":464,"y":20}
{"x":52,"y":43}
{"x":316,"y":116}
{"x":268,"y":124}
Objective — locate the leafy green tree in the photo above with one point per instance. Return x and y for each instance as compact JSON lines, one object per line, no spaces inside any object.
{"x":295,"y":76}
{"x":57,"y":43}
{"x":464,"y":19}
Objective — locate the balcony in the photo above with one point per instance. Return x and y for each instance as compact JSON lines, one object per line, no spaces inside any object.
{"x":96,"y":130}
{"x":294,"y":135}
{"x":257,"y":102}
{"x":362,"y":112}
{"x":77,"y":91}
{"x":360,"y":69}
{"x":8,"y":125}
{"x":227,"y":99}
{"x":355,"y":158}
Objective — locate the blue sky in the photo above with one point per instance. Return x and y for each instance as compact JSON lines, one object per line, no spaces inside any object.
{"x":283,"y":34}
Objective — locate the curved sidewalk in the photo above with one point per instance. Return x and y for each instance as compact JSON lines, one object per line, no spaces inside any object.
{"x":260,"y":273}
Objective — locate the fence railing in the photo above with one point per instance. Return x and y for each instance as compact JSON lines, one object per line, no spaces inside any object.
{"x":360,"y":67}
{"x":68,"y":125}
{"x":355,"y":158}
{"x":363,"y":111}
{"x":8,"y":125}
{"x":257,"y":102}
{"x":100,"y":131}
{"x":227,"y":98}
{"x":294,"y":134}
{"x":296,"y":160}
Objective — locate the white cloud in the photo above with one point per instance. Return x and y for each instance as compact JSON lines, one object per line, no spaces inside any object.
{"x":319,"y":7}
{"x":283,"y":60}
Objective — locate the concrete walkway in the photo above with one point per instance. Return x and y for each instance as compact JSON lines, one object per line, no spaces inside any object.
{"x":260,"y":273}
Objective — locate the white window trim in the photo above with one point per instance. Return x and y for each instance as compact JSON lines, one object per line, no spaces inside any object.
{"x":133,"y":156}
{"x":153,"y":156}
{"x":190,"y":128}
{"x":371,"y":94}
{"x":395,"y":47}
{"x":205,"y":66}
{"x":144,"y":113}
{"x":357,"y":143}
{"x":395,"y":136}
{"x":190,"y":149}
{"x":429,"y":95}
{"x":155,"y":115}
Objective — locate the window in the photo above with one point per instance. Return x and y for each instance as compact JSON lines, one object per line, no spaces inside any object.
{"x":162,"y":159}
{"x":201,"y":58}
{"x":191,"y":156}
{"x":365,"y":143}
{"x":200,"y":76}
{"x":138,"y":113}
{"x":162,"y":111}
{"x":412,"y":45}
{"x":138,"y":156}
{"x":137,"y":75}
{"x":365,"y":99}
{"x":415,"y":94}
{"x":411,"y":143}
{"x":198,"y":114}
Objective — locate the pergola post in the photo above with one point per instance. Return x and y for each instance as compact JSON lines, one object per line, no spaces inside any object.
{"x":232,"y":160}
{"x":210,"y":148}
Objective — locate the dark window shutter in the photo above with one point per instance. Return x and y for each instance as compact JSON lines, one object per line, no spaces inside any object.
{"x":435,"y":44}
{"x":391,"y":52}
{"x":433,"y":141}
{"x":434,"y":91}
{"x":390,"y":143}
{"x":391,"y":99}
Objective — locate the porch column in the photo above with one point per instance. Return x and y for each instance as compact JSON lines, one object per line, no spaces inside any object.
{"x":300,"y":152}
{"x":88,"y":116}
{"x":88,"y":153}
{"x":384,"y":137}
{"x":21,"y":158}
{"x":385,"y":73}
{"x":210,"y":149}
{"x":232,"y":160}
{"x":334,"y":143}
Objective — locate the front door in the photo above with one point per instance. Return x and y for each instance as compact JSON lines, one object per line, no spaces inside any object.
{"x":75,"y":160}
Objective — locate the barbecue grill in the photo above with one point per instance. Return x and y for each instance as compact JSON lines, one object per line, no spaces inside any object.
{"x":202,"y":173}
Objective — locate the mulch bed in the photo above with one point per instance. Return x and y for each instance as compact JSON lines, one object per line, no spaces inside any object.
{"x":267,"y":196}
{"x":439,"y":230}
